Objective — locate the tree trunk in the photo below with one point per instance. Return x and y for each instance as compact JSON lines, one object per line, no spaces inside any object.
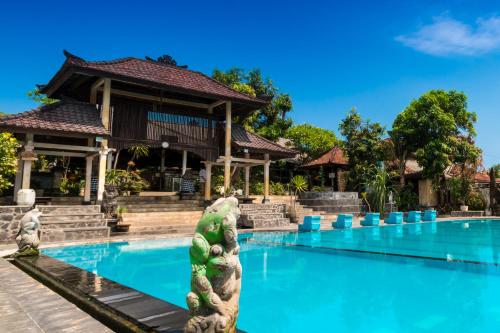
{"x":116,"y":159}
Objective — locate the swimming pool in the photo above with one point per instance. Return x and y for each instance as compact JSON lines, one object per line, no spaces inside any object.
{"x":427,"y":277}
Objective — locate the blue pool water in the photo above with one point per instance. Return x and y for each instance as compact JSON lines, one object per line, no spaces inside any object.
{"x":429,"y":277}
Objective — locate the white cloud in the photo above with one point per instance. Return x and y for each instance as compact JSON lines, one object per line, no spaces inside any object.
{"x":447,"y":36}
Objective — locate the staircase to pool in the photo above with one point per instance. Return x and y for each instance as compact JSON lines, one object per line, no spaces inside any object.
{"x":258,"y":216}
{"x":331,"y":204}
{"x":160,"y":214}
{"x":72,"y":222}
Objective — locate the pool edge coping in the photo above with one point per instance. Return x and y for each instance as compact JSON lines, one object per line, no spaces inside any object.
{"x":108,"y":315}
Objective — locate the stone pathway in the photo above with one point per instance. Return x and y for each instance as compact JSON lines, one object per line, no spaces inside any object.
{"x":28,"y":306}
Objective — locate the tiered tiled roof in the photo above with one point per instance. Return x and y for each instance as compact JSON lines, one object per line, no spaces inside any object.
{"x":169,"y":76}
{"x":333,"y":156}
{"x":63,"y":116}
{"x":242,"y":139}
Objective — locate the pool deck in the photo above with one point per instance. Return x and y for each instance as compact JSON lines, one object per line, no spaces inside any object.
{"x":26,"y":305}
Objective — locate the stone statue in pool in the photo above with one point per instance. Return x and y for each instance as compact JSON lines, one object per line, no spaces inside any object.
{"x":27,"y":238}
{"x":215,"y":270}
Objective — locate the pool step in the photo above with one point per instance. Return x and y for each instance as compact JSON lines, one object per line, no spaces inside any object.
{"x":69,"y":234}
{"x":69,"y":209}
{"x":269,"y":215}
{"x":67,"y":223}
{"x":159,"y":229}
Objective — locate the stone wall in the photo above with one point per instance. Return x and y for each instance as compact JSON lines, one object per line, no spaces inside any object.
{"x":10,"y":216}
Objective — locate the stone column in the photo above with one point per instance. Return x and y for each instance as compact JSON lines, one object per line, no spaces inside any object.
{"x":227,"y":148}
{"x":266,"y":178}
{"x":88,"y":179}
{"x":103,"y":154}
{"x":184,"y":161}
{"x":208,"y":182}
{"x":19,"y":179}
{"x":247,"y":178}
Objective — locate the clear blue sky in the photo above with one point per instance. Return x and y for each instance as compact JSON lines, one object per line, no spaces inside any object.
{"x":329,"y":55}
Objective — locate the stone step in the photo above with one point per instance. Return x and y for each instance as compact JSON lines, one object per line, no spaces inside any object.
{"x":60,"y":235}
{"x":147,"y":199}
{"x":267,"y":223}
{"x":47,"y":218}
{"x":164,"y":229}
{"x":164,"y":209}
{"x":322,"y":202}
{"x":263,"y":211}
{"x":163,"y":214}
{"x":259,"y":216}
{"x":161,"y":222}
{"x":73,"y":224}
{"x":74,"y":209}
{"x":261,"y":206}
{"x":162,"y":204}
{"x":337,"y":209}
{"x":328,"y":195}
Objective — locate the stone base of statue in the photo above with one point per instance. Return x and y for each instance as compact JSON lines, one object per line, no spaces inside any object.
{"x":215,"y":270}
{"x":27,"y":238}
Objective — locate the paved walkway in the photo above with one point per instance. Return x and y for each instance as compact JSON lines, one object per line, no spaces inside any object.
{"x":28,"y":306}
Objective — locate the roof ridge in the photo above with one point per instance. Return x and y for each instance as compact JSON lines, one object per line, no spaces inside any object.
{"x":196,"y":72}
{"x":261,"y":137}
{"x":124,"y":59}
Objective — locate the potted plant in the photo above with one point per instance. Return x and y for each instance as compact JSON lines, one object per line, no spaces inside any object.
{"x":120,"y":226}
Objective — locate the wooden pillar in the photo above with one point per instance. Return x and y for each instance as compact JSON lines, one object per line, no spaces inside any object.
{"x":19,"y":179}
{"x":184,"y":161}
{"x":247,"y":178}
{"x":208,"y":182}
{"x":88,"y":173}
{"x":266,"y":178}
{"x":227,"y":149}
{"x":103,"y":154}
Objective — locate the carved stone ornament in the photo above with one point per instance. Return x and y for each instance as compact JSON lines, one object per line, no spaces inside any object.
{"x":215,"y":270}
{"x":27,"y":238}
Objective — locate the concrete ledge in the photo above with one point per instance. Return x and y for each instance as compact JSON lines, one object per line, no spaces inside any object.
{"x":120,"y":308}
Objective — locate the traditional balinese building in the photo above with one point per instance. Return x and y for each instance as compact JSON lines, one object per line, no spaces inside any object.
{"x":334,"y":163}
{"x":107,"y":106}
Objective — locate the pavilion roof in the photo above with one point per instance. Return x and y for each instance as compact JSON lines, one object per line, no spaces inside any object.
{"x":152,"y":73}
{"x":334,"y":156}
{"x":243,"y":139}
{"x":63,"y":116}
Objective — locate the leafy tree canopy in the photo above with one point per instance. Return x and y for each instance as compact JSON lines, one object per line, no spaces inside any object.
{"x":40,"y":98}
{"x":8,"y":159}
{"x":496,"y":167}
{"x":271,"y":121}
{"x":165,"y":59}
{"x":363,"y":145}
{"x":439,"y":130}
{"x":310,"y":140}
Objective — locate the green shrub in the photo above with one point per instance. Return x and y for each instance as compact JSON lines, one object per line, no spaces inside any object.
{"x":257,"y":188}
{"x":277,"y":188}
{"x":406,"y":199}
{"x":126,"y":180}
{"x":71,"y":186}
{"x":476,"y":201}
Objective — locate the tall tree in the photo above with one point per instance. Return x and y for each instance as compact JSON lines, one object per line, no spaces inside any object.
{"x":439,"y":130}
{"x":165,"y":59}
{"x":363,"y":145}
{"x":271,"y":121}
{"x":40,"y":98}
{"x":311,"y":141}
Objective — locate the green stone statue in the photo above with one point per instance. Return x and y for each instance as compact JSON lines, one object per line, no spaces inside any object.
{"x":215,"y":270}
